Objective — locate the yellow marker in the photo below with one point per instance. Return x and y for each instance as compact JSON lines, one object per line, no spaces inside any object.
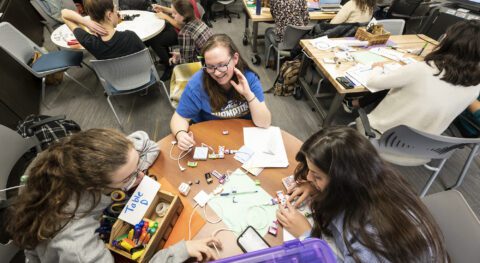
{"x":137,"y":254}
{"x":130,"y":234}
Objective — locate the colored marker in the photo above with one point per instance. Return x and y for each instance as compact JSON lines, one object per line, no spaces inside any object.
{"x":238,"y":193}
{"x":147,"y":238}
{"x":136,"y":234}
{"x":131,"y":233}
{"x":142,"y":238}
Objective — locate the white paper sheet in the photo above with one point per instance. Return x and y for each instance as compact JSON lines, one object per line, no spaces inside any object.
{"x":268,"y":146}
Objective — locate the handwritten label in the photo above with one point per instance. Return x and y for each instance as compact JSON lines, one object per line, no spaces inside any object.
{"x":141,"y":199}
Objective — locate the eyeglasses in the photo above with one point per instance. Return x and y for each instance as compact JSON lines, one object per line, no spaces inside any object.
{"x":130,"y":180}
{"x":220,"y":68}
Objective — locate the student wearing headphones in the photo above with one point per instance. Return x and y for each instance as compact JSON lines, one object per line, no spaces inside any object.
{"x":370,"y":212}
{"x":226,"y":88}
{"x":55,"y":216}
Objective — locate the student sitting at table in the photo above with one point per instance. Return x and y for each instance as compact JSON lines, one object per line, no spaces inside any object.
{"x":57,"y":212}
{"x":355,"y":11}
{"x":291,"y":12}
{"x":226,"y":88}
{"x":369,"y":212}
{"x":193,"y":33}
{"x":429,"y":95}
{"x":104,"y":42}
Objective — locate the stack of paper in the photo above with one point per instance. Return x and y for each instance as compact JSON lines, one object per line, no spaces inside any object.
{"x":268,"y":147}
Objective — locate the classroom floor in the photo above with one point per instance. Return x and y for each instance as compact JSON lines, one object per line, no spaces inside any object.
{"x":152,"y":113}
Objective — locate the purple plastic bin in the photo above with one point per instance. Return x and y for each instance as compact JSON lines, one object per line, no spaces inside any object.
{"x":294,"y":251}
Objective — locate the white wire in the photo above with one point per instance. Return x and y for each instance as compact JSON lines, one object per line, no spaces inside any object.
{"x":181,"y":155}
{"x":190,"y":222}
{"x":215,"y":233}
{"x":208,"y":220}
{"x":11,"y":188}
{"x":248,"y":213}
{"x":206,"y":145}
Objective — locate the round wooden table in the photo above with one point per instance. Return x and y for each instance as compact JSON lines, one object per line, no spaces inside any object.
{"x":210,"y":132}
{"x":146,"y":26}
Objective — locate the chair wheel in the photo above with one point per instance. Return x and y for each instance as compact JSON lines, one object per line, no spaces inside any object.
{"x":256,"y":60}
{"x":229,"y":20}
{"x":238,"y":16}
{"x":245,"y":40}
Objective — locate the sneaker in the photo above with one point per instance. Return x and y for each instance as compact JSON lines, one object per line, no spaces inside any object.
{"x":347,"y":105}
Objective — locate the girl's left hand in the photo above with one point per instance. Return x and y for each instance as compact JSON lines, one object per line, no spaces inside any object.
{"x":242,"y":86}
{"x":161,"y":15}
{"x":292,"y":220}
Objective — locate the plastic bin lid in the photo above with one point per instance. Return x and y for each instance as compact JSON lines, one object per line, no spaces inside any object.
{"x":309,"y":250}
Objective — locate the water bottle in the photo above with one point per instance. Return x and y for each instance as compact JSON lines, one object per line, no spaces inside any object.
{"x":258,"y":7}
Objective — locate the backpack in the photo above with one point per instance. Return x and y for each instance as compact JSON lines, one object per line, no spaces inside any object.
{"x":47,"y":129}
{"x":286,"y":81}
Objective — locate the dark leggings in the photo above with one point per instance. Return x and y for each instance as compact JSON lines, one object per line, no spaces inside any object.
{"x":372,"y":98}
{"x":161,"y":42}
{"x":207,"y":5}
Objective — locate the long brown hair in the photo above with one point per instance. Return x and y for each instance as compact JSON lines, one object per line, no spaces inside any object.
{"x":365,"y":5}
{"x":217,"y":94}
{"x":97,"y":9}
{"x":458,"y":54}
{"x":76,"y":167}
{"x":185,"y":9}
{"x":379,"y":208}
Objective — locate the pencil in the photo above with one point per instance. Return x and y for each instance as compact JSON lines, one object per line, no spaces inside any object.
{"x":423,"y":48}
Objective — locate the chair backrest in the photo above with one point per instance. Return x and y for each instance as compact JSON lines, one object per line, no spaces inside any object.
{"x":292,"y":35}
{"x":394,"y":26}
{"x":458,"y":223}
{"x":127,"y":72}
{"x":14,"y":146}
{"x":406,"y":140}
{"x":7,"y":251}
{"x":17,"y":45}
{"x":404,"y":8}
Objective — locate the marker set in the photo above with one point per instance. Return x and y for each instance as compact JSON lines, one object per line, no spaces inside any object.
{"x":137,"y":238}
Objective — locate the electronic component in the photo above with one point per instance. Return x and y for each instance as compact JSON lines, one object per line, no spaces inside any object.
{"x":257,"y":182}
{"x":200,"y":153}
{"x":221,"y":177}
{"x":201,"y":198}
{"x":208,"y":178}
{"x":225,"y":132}
{"x":192,"y":164}
{"x":197,"y":181}
{"x":184,"y":189}
{"x":289,"y":182}
{"x":221,"y":152}
{"x":273,"y":229}
{"x":281,"y":197}
{"x":212,"y":156}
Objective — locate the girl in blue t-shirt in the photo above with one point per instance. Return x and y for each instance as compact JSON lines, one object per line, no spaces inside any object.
{"x":226,"y":88}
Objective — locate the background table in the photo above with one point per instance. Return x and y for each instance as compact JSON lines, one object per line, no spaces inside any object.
{"x":266,"y":16}
{"x":146,"y":26}
{"x":331,"y":71}
{"x":210,"y":132}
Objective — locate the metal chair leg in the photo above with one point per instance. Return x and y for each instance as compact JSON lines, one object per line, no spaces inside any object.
{"x":114,"y":112}
{"x":465,"y":167}
{"x":43,"y":94}
{"x":432,"y":178}
{"x":278,"y":61}
{"x":78,"y":82}
{"x":268,"y":55}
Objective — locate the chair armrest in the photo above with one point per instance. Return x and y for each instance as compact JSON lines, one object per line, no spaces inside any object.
{"x":366,"y":124}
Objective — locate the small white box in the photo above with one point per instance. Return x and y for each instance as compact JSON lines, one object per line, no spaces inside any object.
{"x":184,"y":189}
{"x":200,"y":153}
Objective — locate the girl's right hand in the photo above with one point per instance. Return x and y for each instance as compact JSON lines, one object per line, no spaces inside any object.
{"x":96,"y":28}
{"x":185,"y":140}
{"x":174,"y":59}
{"x":302,"y":191}
{"x":157,"y":8}
{"x":200,"y":248}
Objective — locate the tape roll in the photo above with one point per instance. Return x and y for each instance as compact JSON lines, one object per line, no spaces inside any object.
{"x":118,"y":196}
{"x":116,"y":208}
{"x":161,"y":209}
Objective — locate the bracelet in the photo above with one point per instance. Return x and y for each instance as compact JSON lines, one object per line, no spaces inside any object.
{"x":254,"y":97}
{"x":179,"y":132}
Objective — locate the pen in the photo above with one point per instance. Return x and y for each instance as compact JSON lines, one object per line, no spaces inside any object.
{"x":238,"y":193}
{"x":423,"y":48}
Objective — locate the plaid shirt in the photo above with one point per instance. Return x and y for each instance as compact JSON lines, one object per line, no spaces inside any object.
{"x":192,"y":37}
{"x":288,"y":12}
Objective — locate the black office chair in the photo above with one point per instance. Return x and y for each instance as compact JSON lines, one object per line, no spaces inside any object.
{"x":407,"y":9}
{"x":225,"y":12}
